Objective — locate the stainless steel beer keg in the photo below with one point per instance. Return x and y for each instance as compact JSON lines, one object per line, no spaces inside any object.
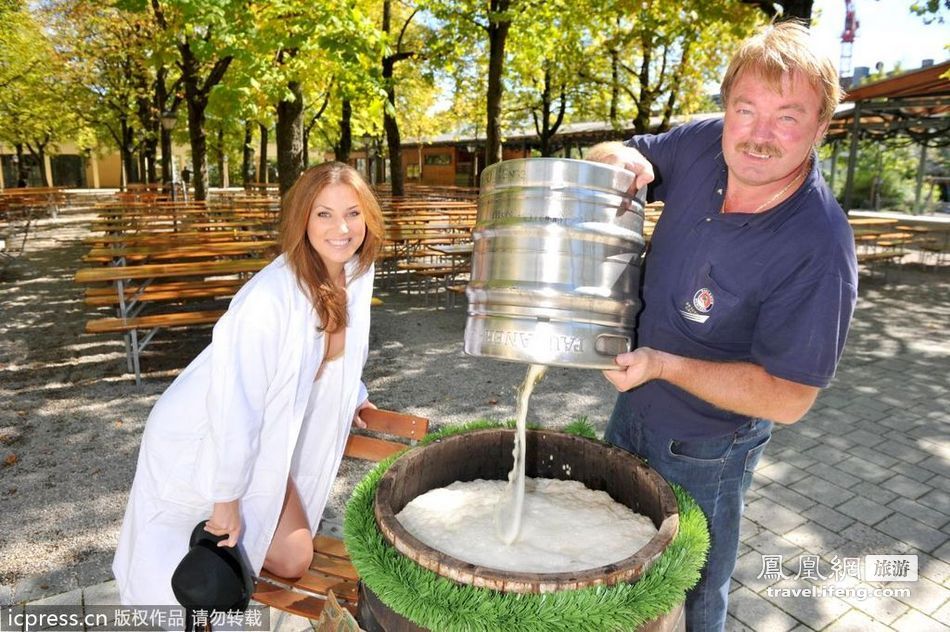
{"x":556,"y":263}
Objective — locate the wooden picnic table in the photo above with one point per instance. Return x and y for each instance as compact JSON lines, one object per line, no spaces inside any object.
{"x":29,"y":199}
{"x":149,"y":223}
{"x":131,"y":298}
{"x":871,"y":221}
{"x":172,"y":237}
{"x":453,"y":221}
{"x":193,"y":250}
{"x":439,"y":265}
{"x":164,"y":270}
{"x":456,"y":250}
{"x":408,"y":231}
{"x":930,"y":234}
{"x":262,"y":188}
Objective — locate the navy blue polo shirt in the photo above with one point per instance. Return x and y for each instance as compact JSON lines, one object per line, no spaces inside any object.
{"x":775,"y":288}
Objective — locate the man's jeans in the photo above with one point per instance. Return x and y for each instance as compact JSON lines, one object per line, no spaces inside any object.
{"x":717,"y":473}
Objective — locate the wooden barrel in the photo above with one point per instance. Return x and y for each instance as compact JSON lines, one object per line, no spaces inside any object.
{"x":487,"y":454}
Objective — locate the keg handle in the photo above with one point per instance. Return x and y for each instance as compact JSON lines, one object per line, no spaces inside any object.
{"x":640,"y":196}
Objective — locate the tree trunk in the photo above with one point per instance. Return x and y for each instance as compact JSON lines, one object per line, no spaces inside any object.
{"x":40,"y":156}
{"x":547,"y":129}
{"x":164,"y":136}
{"x":641,"y":122}
{"x":390,"y":124}
{"x":343,"y":148}
{"x":220,"y":143}
{"x":151,"y":153}
{"x":247,"y":155}
{"x":497,"y":34}
{"x":166,"y":142}
{"x":128,"y":158}
{"x":263,"y":173}
{"x":199,"y":146}
{"x":147,"y":121}
{"x":675,"y":84}
{"x":197,"y":98}
{"x":614,"y":87}
{"x":290,"y":138}
{"x":397,"y":174}
{"x":308,"y":128}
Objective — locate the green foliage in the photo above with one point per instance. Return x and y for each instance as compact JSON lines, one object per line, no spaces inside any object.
{"x":550,"y":51}
{"x":33,"y":85}
{"x":607,"y":60}
{"x":885,"y":175}
{"x":931,"y":10}
{"x":108,"y":57}
{"x":8,"y":7}
{"x":665,"y":53}
{"x":440,"y":604}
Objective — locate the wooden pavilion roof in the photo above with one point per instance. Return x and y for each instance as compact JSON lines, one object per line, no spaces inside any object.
{"x":914,"y":104}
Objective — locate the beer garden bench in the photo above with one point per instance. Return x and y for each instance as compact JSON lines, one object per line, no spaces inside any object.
{"x":187,"y":281}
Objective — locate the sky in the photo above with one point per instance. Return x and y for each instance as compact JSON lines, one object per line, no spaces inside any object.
{"x":887,"y":33}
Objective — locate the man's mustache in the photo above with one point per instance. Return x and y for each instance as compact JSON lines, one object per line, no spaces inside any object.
{"x":761,"y":149}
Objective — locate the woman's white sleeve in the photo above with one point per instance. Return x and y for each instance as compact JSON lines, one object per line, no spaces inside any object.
{"x":244,"y":361}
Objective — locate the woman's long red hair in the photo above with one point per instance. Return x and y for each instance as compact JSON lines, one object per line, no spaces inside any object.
{"x":328,"y":300}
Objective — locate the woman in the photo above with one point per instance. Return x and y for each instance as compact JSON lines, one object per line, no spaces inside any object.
{"x":252,"y":431}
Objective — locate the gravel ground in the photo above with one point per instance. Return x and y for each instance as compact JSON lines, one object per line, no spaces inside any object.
{"x":72,"y":418}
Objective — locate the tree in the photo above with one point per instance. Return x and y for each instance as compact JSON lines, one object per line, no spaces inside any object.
{"x":19,"y":53}
{"x":314,"y":46}
{"x":660,"y":57}
{"x":885,"y":174}
{"x":208,"y":35}
{"x":495,"y":20}
{"x":549,"y":63}
{"x":33,"y":88}
{"x":395,"y":53}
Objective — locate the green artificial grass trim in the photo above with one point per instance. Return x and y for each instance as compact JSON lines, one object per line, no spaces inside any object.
{"x":471,"y":426}
{"x":437,"y":603}
{"x":580,"y":427}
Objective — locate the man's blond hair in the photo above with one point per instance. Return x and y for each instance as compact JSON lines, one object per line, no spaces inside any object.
{"x":784,"y":49}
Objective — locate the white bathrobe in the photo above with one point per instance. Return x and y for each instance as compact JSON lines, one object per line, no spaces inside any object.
{"x":229,"y":426}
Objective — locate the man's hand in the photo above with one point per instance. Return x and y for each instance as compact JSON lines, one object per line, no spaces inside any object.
{"x":225,"y":520}
{"x":619,"y":155}
{"x":635,"y":368}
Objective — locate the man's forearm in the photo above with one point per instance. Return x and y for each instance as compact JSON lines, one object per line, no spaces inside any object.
{"x":740,"y":387}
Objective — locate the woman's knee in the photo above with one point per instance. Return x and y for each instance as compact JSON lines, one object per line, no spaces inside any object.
{"x":291,"y":551}
{"x":293,"y":557}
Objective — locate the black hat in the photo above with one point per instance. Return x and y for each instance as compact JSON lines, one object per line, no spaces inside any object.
{"x":212,"y":577}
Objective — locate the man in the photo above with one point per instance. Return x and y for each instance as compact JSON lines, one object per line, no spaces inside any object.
{"x":749,"y":287}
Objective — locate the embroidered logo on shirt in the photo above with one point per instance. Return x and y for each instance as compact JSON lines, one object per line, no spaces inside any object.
{"x":697,"y":309}
{"x":703,"y":300}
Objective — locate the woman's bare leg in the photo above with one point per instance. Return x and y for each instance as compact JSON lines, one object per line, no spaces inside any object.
{"x":291,"y":550}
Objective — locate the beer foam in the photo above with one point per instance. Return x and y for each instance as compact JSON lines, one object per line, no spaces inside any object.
{"x":565,"y":526}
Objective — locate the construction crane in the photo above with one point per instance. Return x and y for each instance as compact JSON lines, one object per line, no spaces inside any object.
{"x":851,"y":25}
